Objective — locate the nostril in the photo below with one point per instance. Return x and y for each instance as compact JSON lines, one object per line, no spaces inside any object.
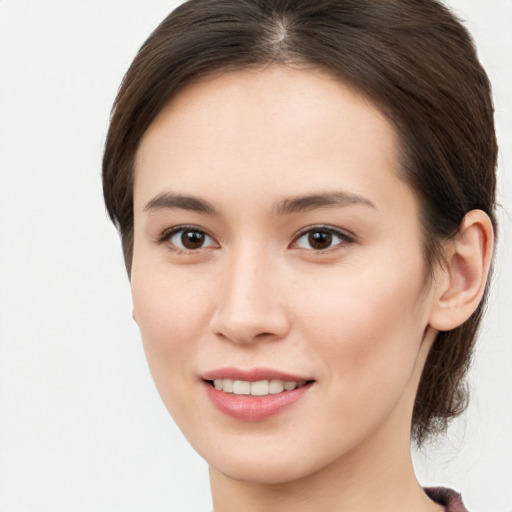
{"x":264,"y":335}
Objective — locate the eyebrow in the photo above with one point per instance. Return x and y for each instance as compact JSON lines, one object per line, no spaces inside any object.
{"x":321,"y":200}
{"x":169,"y":201}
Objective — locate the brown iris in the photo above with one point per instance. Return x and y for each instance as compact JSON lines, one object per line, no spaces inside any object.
{"x":192,"y":239}
{"x":320,"y":239}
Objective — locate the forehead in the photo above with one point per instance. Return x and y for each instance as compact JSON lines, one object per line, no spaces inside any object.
{"x":276,"y":128}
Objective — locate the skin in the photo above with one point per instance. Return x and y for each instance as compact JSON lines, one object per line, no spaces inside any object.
{"x":358,"y":317}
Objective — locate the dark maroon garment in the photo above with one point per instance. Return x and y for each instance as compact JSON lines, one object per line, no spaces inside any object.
{"x":451,"y":500}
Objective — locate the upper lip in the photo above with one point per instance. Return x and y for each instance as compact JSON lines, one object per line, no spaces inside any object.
{"x":253,"y":375}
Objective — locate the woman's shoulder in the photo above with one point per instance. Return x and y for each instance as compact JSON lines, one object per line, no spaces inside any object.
{"x":450,"y":499}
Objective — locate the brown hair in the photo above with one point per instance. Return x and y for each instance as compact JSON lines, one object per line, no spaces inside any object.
{"x":412,"y":58}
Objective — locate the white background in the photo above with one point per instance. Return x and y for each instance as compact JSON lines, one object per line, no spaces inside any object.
{"x":81,"y":425}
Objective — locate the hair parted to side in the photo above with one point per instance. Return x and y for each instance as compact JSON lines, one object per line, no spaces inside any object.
{"x":412,"y":58}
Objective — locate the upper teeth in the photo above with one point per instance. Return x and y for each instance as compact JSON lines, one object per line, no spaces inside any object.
{"x":259,"y":388}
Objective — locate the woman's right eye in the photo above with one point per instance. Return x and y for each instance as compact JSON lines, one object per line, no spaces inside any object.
{"x":188,"y":239}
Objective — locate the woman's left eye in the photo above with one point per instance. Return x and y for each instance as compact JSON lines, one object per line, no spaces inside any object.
{"x":321,"y":239}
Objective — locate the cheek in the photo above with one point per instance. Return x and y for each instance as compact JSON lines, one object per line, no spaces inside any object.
{"x":367,"y":345}
{"x":368,"y":328}
{"x":172,"y":312}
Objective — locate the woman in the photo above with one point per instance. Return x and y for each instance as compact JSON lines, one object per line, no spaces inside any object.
{"x":305,"y":193}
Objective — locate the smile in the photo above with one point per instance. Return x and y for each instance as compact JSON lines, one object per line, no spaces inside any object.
{"x":254,"y":395}
{"x":258,"y":388}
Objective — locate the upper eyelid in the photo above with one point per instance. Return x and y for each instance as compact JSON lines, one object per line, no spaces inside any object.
{"x":325,"y":227}
{"x":170,"y":232}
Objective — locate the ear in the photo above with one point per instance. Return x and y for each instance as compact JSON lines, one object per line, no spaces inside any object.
{"x":460,"y":282}
{"x":134,"y":316}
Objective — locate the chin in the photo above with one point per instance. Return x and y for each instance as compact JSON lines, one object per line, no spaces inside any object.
{"x":266,"y":473}
{"x":279,"y":463}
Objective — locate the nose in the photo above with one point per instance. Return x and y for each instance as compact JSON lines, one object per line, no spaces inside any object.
{"x":250,"y":303}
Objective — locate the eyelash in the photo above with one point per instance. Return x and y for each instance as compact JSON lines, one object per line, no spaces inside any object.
{"x":169,"y":234}
{"x":344,"y":238}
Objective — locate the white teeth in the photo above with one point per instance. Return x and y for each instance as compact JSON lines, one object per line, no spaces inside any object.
{"x":227,"y":385}
{"x":275,"y":386}
{"x":241,"y":387}
{"x":259,"y":388}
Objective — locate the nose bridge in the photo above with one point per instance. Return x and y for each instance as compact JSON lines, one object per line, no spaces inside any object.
{"x":249,"y":305}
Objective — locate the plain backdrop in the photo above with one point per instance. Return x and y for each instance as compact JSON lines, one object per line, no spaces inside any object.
{"x":82,"y":428}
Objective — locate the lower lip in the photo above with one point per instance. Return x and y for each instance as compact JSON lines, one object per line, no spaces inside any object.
{"x":254,"y":408}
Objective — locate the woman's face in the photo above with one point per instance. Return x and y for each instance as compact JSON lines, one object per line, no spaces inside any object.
{"x":275,"y":242}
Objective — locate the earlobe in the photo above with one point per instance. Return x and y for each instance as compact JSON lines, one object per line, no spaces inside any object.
{"x":134,"y":316}
{"x":463,"y":277}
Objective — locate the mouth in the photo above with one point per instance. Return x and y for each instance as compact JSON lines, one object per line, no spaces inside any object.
{"x":254,"y":395}
{"x":256,"y":388}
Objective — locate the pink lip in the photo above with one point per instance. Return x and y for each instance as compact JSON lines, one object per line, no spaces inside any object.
{"x":252,"y":375}
{"x":253,"y":408}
